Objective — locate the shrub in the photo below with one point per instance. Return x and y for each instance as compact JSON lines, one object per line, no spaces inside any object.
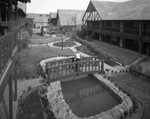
{"x":138,"y":68}
{"x":82,"y":33}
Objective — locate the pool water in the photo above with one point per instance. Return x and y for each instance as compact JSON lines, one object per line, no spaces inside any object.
{"x":88,"y":96}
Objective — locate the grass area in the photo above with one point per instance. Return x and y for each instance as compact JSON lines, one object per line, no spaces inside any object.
{"x":146,"y":65}
{"x":123,"y":56}
{"x":30,"y":107}
{"x":30,"y":57}
{"x":65,"y":44}
{"x":138,"y":87}
{"x":38,"y":39}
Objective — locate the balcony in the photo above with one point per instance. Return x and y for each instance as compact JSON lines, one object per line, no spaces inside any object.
{"x":8,"y":43}
{"x":117,"y":29}
{"x":131,"y":31}
{"x":146,"y":33}
{"x":107,"y":28}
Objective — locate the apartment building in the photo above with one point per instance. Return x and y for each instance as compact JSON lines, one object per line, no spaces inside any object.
{"x":124,"y":24}
{"x":39,"y":20}
{"x":12,"y":21}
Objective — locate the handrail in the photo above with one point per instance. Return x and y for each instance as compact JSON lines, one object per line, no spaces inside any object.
{"x":68,"y":60}
{"x":6,"y":47}
{"x":74,"y":68}
{"x":110,"y":28}
{"x":2,"y":38}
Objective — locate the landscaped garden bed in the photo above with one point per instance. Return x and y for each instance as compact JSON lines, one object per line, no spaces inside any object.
{"x":29,"y":106}
{"x":64,"y":44}
{"x":30,"y":57}
{"x":124,"y":56}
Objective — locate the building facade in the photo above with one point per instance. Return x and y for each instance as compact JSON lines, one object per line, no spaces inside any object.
{"x":125,"y":24}
{"x":69,"y":20}
{"x":39,"y":19}
{"x":12,"y":21}
{"x":53,"y":19}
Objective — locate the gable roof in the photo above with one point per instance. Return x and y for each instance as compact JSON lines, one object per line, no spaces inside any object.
{"x":70,"y":17}
{"x":38,"y":17}
{"x":130,"y":10}
{"x":104,"y":7}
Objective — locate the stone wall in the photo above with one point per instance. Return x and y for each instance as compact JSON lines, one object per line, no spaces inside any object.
{"x":62,"y":110}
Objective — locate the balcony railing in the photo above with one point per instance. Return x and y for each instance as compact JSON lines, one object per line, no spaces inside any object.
{"x":146,"y":33}
{"x":7,"y":45}
{"x":131,"y":30}
{"x":108,"y":28}
{"x":117,"y":29}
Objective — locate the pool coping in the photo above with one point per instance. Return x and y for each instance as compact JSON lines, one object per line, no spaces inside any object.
{"x":62,"y":110}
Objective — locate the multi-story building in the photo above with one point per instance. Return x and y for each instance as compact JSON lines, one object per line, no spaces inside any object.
{"x":39,"y":19}
{"x":124,"y":24}
{"x":12,"y":21}
{"x":53,"y":18}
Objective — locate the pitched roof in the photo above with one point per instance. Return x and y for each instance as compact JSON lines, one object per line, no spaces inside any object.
{"x":130,"y":10}
{"x":104,"y":7}
{"x":38,"y":17}
{"x":70,"y":17}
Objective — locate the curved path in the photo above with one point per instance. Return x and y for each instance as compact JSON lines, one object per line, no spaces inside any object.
{"x":115,"y":69}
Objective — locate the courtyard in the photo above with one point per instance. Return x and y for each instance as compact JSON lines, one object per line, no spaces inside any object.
{"x":31,"y":56}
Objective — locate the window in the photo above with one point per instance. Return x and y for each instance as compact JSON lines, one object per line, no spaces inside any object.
{"x":136,"y":24}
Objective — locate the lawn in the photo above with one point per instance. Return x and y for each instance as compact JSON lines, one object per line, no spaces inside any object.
{"x":138,"y":87}
{"x":121,"y":55}
{"x":30,"y":57}
{"x":38,"y":39}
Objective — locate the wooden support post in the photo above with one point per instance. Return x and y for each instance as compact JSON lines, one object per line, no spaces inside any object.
{"x":0,"y":11}
{"x":102,"y":67}
{"x":15,"y":81}
{"x":10,"y":15}
{"x":10,"y":25}
{"x":10,"y":99}
{"x":48,"y":76}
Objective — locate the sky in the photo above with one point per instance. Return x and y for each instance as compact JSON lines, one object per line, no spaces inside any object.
{"x":47,"y":6}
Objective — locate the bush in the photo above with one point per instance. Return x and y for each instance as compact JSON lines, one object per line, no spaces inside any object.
{"x":30,"y":31}
{"x":82,"y":33}
{"x":138,"y":68}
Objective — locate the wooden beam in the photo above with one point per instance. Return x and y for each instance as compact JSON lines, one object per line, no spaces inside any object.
{"x":16,"y":13}
{"x":0,"y":11}
{"x":10,"y":99}
{"x":15,"y":81}
{"x":10,"y":15}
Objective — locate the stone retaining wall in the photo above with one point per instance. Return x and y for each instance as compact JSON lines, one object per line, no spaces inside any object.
{"x":62,"y":110}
